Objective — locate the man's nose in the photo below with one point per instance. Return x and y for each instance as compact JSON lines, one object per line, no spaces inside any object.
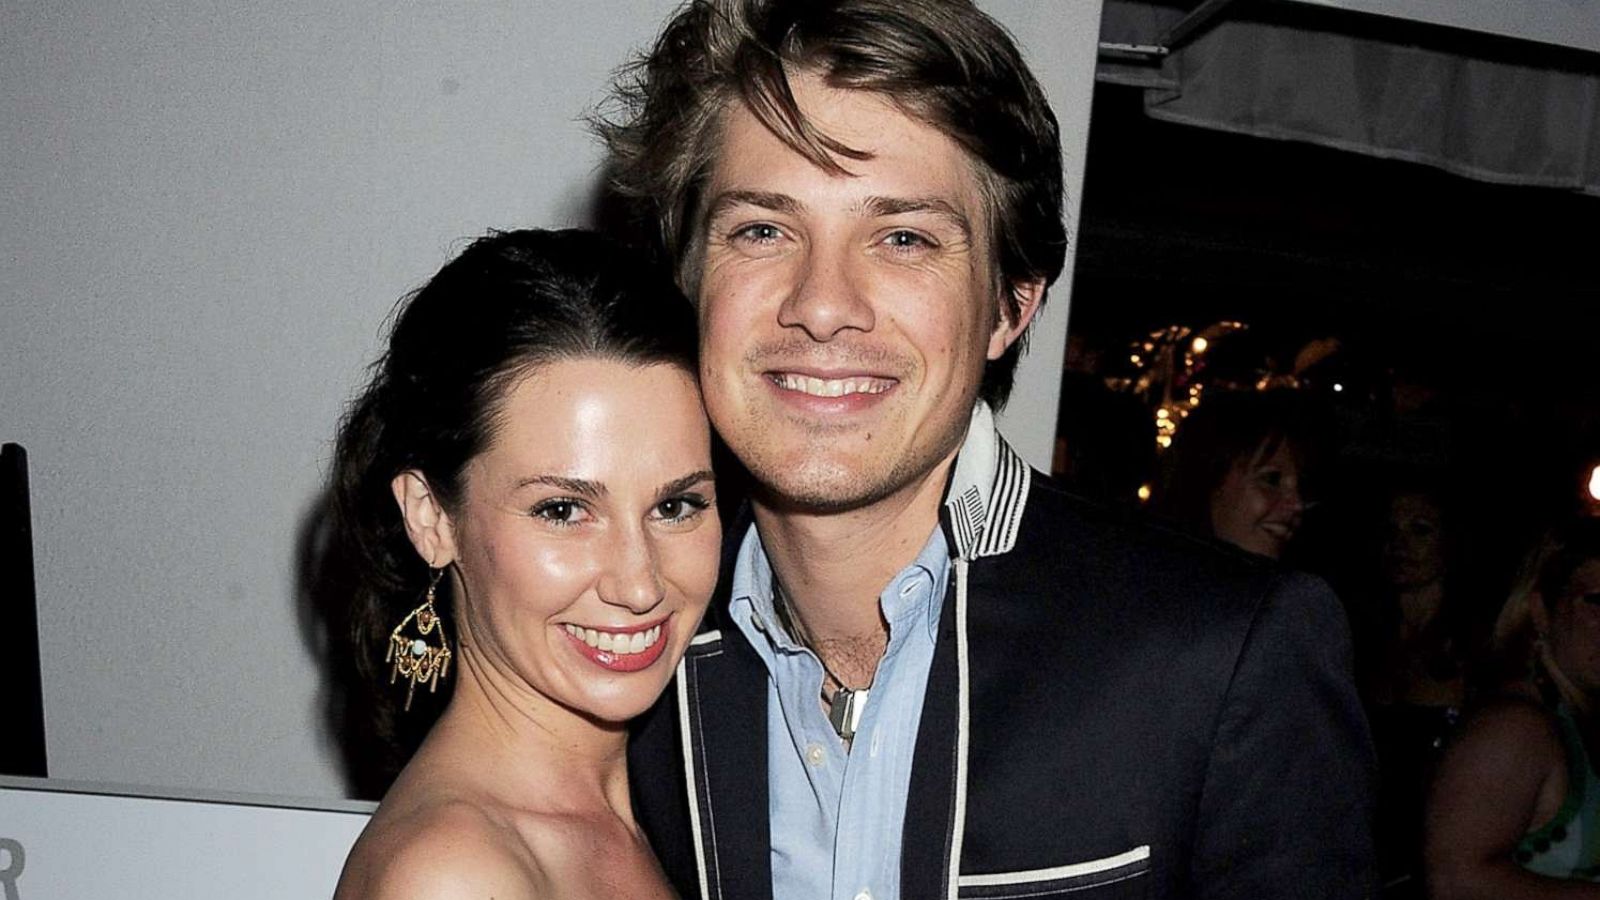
{"x":829,"y":297}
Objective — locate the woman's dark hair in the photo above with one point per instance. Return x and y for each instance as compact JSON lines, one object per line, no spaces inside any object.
{"x":1229,"y":428}
{"x":509,"y":303}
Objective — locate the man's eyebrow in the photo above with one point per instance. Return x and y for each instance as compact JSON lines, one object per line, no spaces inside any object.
{"x":780,"y":203}
{"x":890,"y":206}
{"x":579,"y":486}
{"x":679,"y":485}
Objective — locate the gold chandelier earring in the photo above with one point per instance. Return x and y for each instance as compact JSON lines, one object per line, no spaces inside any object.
{"x":413,"y":658}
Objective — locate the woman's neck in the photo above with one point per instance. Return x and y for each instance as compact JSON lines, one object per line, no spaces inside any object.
{"x":527,"y":748}
{"x":1420,"y":604}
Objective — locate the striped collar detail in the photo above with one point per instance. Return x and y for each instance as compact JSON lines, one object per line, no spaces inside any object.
{"x":988,"y":489}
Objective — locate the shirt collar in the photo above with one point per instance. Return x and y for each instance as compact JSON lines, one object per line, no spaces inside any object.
{"x":988,"y":489}
{"x":980,"y":516}
{"x":753,"y":597}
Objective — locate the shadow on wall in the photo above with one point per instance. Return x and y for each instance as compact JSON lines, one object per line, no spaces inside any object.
{"x":373,"y":736}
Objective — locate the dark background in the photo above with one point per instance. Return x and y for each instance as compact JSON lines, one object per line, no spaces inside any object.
{"x":1466,"y":313}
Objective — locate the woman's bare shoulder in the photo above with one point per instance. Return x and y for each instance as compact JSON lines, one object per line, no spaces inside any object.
{"x":1510,"y":731}
{"x":1513,"y":715}
{"x":445,"y":849}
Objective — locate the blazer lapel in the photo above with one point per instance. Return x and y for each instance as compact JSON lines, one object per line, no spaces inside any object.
{"x":725,"y":719}
{"x":930,"y":808}
{"x":981,"y":516}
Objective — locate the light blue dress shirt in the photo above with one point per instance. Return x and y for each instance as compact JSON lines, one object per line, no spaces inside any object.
{"x":837,"y":816}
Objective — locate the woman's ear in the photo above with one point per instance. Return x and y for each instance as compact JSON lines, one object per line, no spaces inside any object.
{"x":1539,"y":614}
{"x":427,"y":524}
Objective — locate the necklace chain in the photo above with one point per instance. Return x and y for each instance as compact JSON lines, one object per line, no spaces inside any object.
{"x":846,"y":705}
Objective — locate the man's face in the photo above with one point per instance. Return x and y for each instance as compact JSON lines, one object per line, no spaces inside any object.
{"x":845,"y":319}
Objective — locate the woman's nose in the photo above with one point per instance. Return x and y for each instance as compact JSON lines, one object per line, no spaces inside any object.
{"x":633,"y":574}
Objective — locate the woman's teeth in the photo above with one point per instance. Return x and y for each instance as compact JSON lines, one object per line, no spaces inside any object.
{"x":611,"y":642}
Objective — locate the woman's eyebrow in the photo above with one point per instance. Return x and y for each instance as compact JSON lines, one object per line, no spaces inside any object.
{"x":580,"y":486}
{"x":688,"y":481}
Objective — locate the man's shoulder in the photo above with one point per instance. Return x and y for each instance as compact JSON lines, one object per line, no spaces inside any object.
{"x":1066,"y":534}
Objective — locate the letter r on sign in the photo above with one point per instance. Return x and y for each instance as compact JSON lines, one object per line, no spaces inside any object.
{"x":13,"y":870}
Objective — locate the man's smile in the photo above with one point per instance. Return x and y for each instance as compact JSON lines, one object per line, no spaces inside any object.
{"x":830,"y":387}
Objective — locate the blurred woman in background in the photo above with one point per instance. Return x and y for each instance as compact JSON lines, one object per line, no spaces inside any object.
{"x":1414,"y":646}
{"x":1515,"y":809}
{"x":1238,"y":470}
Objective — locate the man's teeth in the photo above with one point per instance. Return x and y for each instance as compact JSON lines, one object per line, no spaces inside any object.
{"x":832,"y":387}
{"x":611,"y":642}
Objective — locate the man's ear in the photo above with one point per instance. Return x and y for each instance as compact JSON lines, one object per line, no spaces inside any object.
{"x":1007,"y":328}
{"x":427,"y":524}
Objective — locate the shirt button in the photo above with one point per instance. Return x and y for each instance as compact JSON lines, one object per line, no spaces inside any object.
{"x":816,"y":755}
{"x":864,"y":894}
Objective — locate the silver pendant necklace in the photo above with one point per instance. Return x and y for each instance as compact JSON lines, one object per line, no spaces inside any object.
{"x":845,"y":705}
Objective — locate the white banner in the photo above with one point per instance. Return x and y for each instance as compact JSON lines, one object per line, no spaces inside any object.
{"x":67,"y":841}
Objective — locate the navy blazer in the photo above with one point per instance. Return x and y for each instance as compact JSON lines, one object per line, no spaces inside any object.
{"x":1114,"y":710}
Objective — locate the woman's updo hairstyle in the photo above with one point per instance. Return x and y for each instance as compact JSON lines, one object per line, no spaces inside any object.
{"x":509,"y":303}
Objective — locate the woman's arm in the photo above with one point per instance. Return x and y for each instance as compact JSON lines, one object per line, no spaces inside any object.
{"x":1485,"y":799}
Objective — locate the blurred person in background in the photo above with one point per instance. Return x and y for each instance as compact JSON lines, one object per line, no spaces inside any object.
{"x":1238,"y":471}
{"x":1425,"y":646}
{"x":1414,"y":645}
{"x":1515,"y":809}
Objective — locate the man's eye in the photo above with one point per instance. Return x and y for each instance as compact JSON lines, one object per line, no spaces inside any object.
{"x":906,"y":240}
{"x":761,"y":233}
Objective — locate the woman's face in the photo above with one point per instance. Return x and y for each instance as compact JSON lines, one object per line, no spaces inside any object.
{"x":1258,"y":506}
{"x":1574,"y":634}
{"x":1413,"y":547}
{"x":586,"y":539}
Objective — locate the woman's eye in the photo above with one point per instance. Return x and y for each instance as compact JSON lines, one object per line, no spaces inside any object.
{"x":678,"y":509}
{"x":561,"y":512}
{"x":1270,"y":478}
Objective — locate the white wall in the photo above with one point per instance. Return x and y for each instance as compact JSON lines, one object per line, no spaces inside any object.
{"x":1060,"y":39}
{"x":206,"y":211}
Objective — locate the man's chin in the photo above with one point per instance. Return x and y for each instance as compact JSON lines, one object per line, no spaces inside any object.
{"x":818,"y":490}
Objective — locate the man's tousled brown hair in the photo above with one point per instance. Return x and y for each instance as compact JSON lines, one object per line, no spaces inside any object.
{"x":943,"y":62}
